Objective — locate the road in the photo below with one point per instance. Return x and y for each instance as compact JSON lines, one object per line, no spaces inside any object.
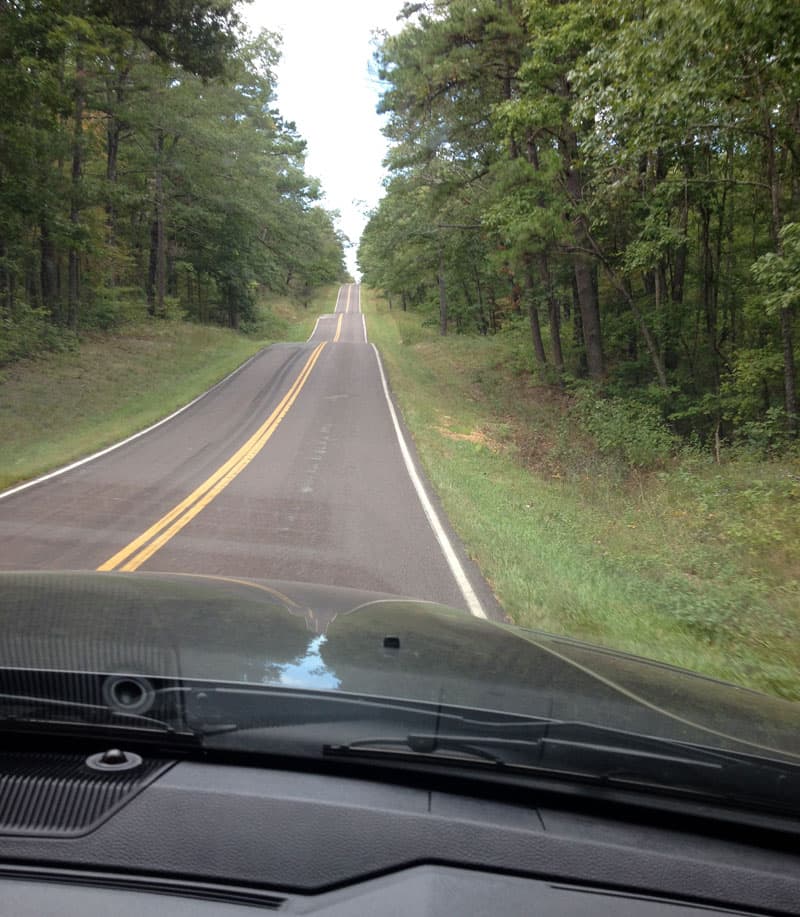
{"x":292,"y":468}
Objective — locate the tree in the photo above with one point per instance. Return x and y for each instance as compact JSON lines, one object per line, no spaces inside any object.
{"x":142,"y":154}
{"x":625,"y":164}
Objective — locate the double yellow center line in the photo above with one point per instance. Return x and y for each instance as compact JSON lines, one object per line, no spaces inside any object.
{"x":133,"y":555}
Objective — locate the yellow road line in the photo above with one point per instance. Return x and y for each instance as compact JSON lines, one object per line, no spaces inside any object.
{"x":349,"y":291}
{"x":338,"y":328}
{"x":181,"y":514}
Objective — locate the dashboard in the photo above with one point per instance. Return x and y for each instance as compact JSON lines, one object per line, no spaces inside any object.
{"x":207,"y":837}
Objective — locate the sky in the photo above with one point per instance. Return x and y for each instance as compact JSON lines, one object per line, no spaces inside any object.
{"x":326,"y":85}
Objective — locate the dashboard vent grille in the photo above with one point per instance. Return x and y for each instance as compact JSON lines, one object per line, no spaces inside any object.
{"x":46,"y":795}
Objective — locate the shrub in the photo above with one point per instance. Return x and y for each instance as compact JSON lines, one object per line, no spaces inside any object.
{"x":30,"y":332}
{"x":632,"y":432}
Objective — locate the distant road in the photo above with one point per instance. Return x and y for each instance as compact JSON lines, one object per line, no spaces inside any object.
{"x":290,"y":469}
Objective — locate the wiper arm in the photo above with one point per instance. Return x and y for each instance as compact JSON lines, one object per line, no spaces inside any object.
{"x":520,"y":752}
{"x":33,"y":706}
{"x":600,"y":756}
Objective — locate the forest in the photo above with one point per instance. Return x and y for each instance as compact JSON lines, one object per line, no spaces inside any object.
{"x":619,"y":181}
{"x":145,"y":170}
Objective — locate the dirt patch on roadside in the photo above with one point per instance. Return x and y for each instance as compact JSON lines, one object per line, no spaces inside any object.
{"x":476,"y":436}
{"x":479,"y":437}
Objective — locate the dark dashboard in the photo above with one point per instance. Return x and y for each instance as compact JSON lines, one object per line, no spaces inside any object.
{"x":203,"y":837}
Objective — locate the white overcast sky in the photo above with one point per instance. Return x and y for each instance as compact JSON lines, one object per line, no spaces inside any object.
{"x":325,"y":86}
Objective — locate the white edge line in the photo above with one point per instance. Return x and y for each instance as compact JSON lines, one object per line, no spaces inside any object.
{"x":456,"y":568}
{"x":316,"y":323}
{"x":363,"y":319}
{"x":96,"y":455}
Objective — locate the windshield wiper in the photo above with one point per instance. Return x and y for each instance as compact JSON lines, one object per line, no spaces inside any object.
{"x":598,"y":755}
{"x":300,"y":723}
{"x":35,"y":710}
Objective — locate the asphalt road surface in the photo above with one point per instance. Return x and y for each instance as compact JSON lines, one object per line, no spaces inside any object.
{"x":292,"y":468}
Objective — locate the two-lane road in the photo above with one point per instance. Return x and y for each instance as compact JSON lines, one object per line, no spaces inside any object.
{"x":293,"y":468}
{"x":296,"y":467}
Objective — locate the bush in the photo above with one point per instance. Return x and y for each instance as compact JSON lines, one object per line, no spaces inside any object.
{"x":515,"y":334}
{"x":111,"y":308}
{"x":29,"y":332}
{"x":632,"y":432}
{"x":766,"y":437}
{"x":414,"y":330}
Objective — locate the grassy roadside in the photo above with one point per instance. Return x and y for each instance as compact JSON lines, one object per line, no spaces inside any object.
{"x":284,"y":319}
{"x":62,"y":406}
{"x":696,"y":565}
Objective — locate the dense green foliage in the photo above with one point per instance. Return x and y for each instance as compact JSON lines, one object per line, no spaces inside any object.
{"x":623,"y":176}
{"x":142,"y":160}
{"x":694,"y":563}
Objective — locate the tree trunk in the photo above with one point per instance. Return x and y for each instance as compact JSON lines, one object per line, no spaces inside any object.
{"x":73,"y":284}
{"x":202,"y":306}
{"x":516,"y":296}
{"x":6,"y":282}
{"x":492,"y":310}
{"x":157,"y":273}
{"x":112,"y":152}
{"x":483,"y":324}
{"x":678,"y":278}
{"x":232,"y":306}
{"x":590,"y":316}
{"x":789,"y":371}
{"x":115,"y":97}
{"x":161,"y":247}
{"x":553,"y":311}
{"x":577,"y":329}
{"x":442,"y":297}
{"x":150,"y":286}
{"x":48,"y":268}
{"x":679,"y":267}
{"x":546,"y":278}
{"x":649,"y":340}
{"x":586,"y":286}
{"x":707,"y":275}
{"x":533,"y":314}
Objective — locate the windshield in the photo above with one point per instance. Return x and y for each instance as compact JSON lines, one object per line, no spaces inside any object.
{"x":421,"y":385}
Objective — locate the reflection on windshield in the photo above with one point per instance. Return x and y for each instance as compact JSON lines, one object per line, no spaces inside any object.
{"x":308,"y":671}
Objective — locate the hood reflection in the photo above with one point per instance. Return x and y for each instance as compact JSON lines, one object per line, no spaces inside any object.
{"x":307,"y":671}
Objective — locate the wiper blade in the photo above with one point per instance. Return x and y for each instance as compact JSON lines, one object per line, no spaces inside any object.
{"x":522,"y":752}
{"x":599,"y":756}
{"x":37,"y":709}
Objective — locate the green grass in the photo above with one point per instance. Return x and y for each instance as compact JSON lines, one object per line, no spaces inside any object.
{"x":62,"y":406}
{"x":696,"y":564}
{"x":283,"y":318}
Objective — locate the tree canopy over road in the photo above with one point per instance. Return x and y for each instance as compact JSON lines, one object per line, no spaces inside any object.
{"x":624,"y":176}
{"x":142,"y":159}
